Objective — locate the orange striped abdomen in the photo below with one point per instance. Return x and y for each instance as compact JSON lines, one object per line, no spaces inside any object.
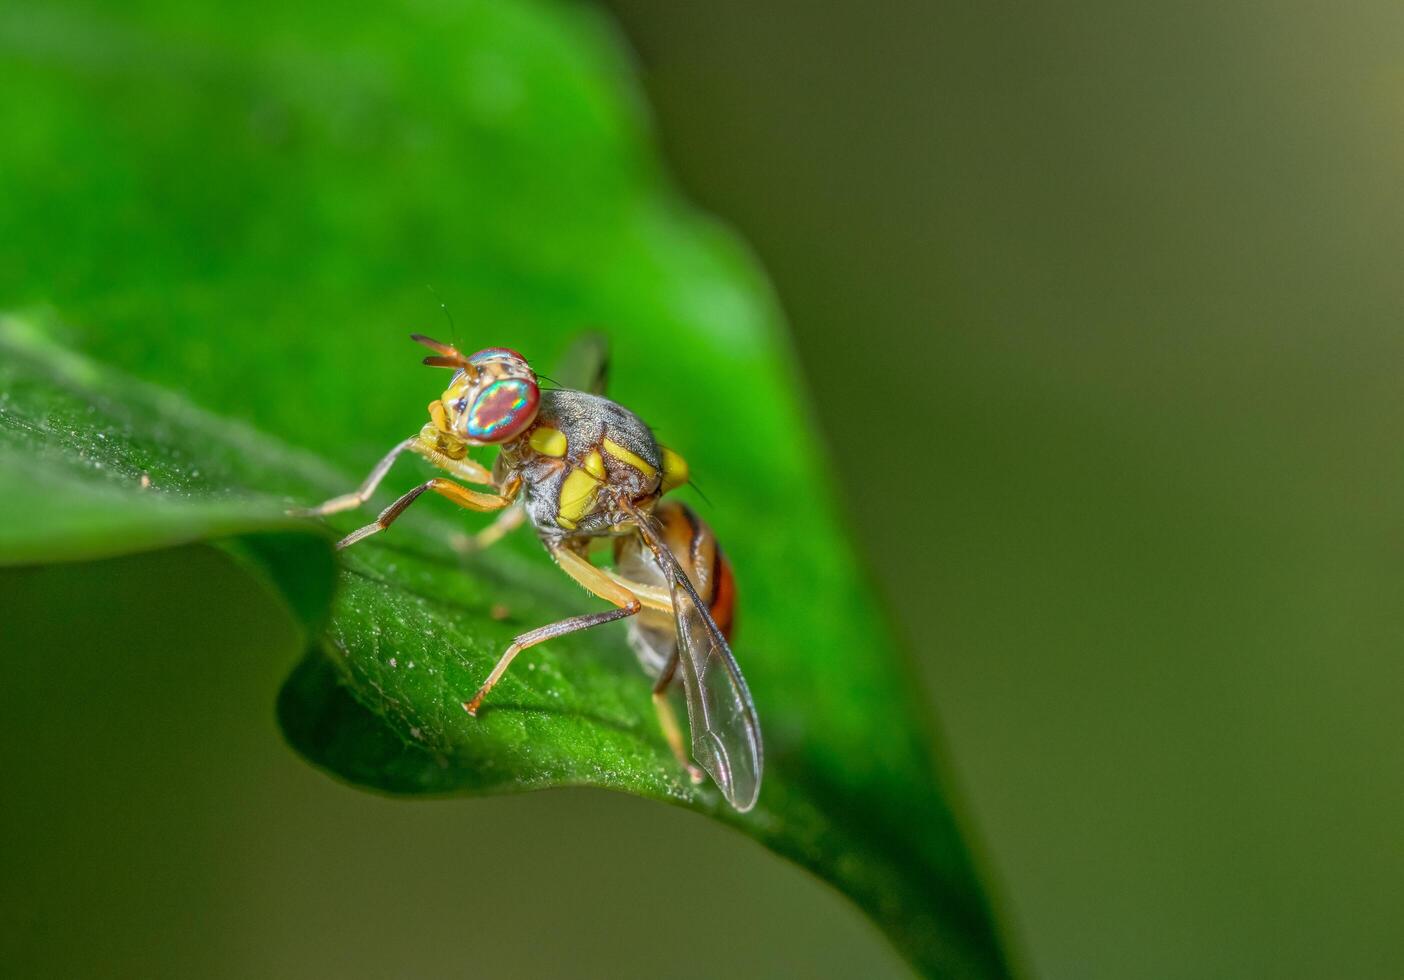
{"x":653,"y":634}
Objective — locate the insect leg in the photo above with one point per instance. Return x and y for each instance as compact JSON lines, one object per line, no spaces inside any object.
{"x":350,"y":501}
{"x":652,"y":596}
{"x":668,"y":721}
{"x":462,"y":496}
{"x":594,"y":579}
{"x":466,"y":469}
{"x":541,"y":635}
{"x":607,"y":586}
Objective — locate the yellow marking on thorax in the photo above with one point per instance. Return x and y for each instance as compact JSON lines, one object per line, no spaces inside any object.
{"x":594,"y":464}
{"x":626,"y":457}
{"x":548,"y":441}
{"x":675,"y":472}
{"x":577,"y":497}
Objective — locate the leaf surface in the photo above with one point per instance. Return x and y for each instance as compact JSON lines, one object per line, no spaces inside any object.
{"x":250,"y":221}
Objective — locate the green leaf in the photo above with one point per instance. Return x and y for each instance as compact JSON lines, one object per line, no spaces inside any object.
{"x":227,"y":235}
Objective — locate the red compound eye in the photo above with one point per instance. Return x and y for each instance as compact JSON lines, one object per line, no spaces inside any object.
{"x":502,"y":411}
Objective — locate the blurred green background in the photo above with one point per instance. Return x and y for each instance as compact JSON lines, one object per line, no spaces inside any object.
{"x":1102,"y":313}
{"x":1103,"y":309}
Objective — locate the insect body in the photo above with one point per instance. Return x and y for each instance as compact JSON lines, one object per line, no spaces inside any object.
{"x":582,"y":468}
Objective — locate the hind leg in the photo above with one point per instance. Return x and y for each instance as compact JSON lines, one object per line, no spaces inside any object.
{"x":540,"y":635}
{"x":668,"y":720}
{"x":593,"y":579}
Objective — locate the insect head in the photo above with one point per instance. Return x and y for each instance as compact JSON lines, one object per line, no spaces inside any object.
{"x":492,"y":397}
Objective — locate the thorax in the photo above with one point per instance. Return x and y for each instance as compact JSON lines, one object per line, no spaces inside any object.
{"x":584,"y":453}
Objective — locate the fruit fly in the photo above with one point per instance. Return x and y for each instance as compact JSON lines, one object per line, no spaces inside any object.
{"x":582,"y":468}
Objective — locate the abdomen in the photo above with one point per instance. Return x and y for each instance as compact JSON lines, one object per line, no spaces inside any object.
{"x":653,"y":634}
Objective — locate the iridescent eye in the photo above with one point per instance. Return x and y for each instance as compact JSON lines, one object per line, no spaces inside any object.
{"x":502,"y":410}
{"x":500,"y":355}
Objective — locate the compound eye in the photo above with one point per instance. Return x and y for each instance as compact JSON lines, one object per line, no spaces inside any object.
{"x":504,"y":356}
{"x":502,"y":410}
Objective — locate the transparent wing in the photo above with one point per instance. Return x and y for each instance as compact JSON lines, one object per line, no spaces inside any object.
{"x":585,"y":364}
{"x":726,"y":738}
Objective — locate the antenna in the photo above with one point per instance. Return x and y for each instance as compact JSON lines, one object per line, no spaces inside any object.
{"x":453,"y":327}
{"x":448,"y":356}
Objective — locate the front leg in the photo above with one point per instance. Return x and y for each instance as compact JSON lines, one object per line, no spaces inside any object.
{"x":357,"y":497}
{"x":468,"y":470}
{"x":462,"y":496}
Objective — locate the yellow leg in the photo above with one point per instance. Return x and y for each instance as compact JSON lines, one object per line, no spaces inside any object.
{"x":606,"y":584}
{"x":593,"y":579}
{"x":652,"y":596}
{"x":619,"y":591}
{"x":468,"y":470}
{"x":541,"y":635}
{"x":462,"y":496}
{"x":597,"y":580}
{"x":357,"y":497}
{"x":668,"y":721}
